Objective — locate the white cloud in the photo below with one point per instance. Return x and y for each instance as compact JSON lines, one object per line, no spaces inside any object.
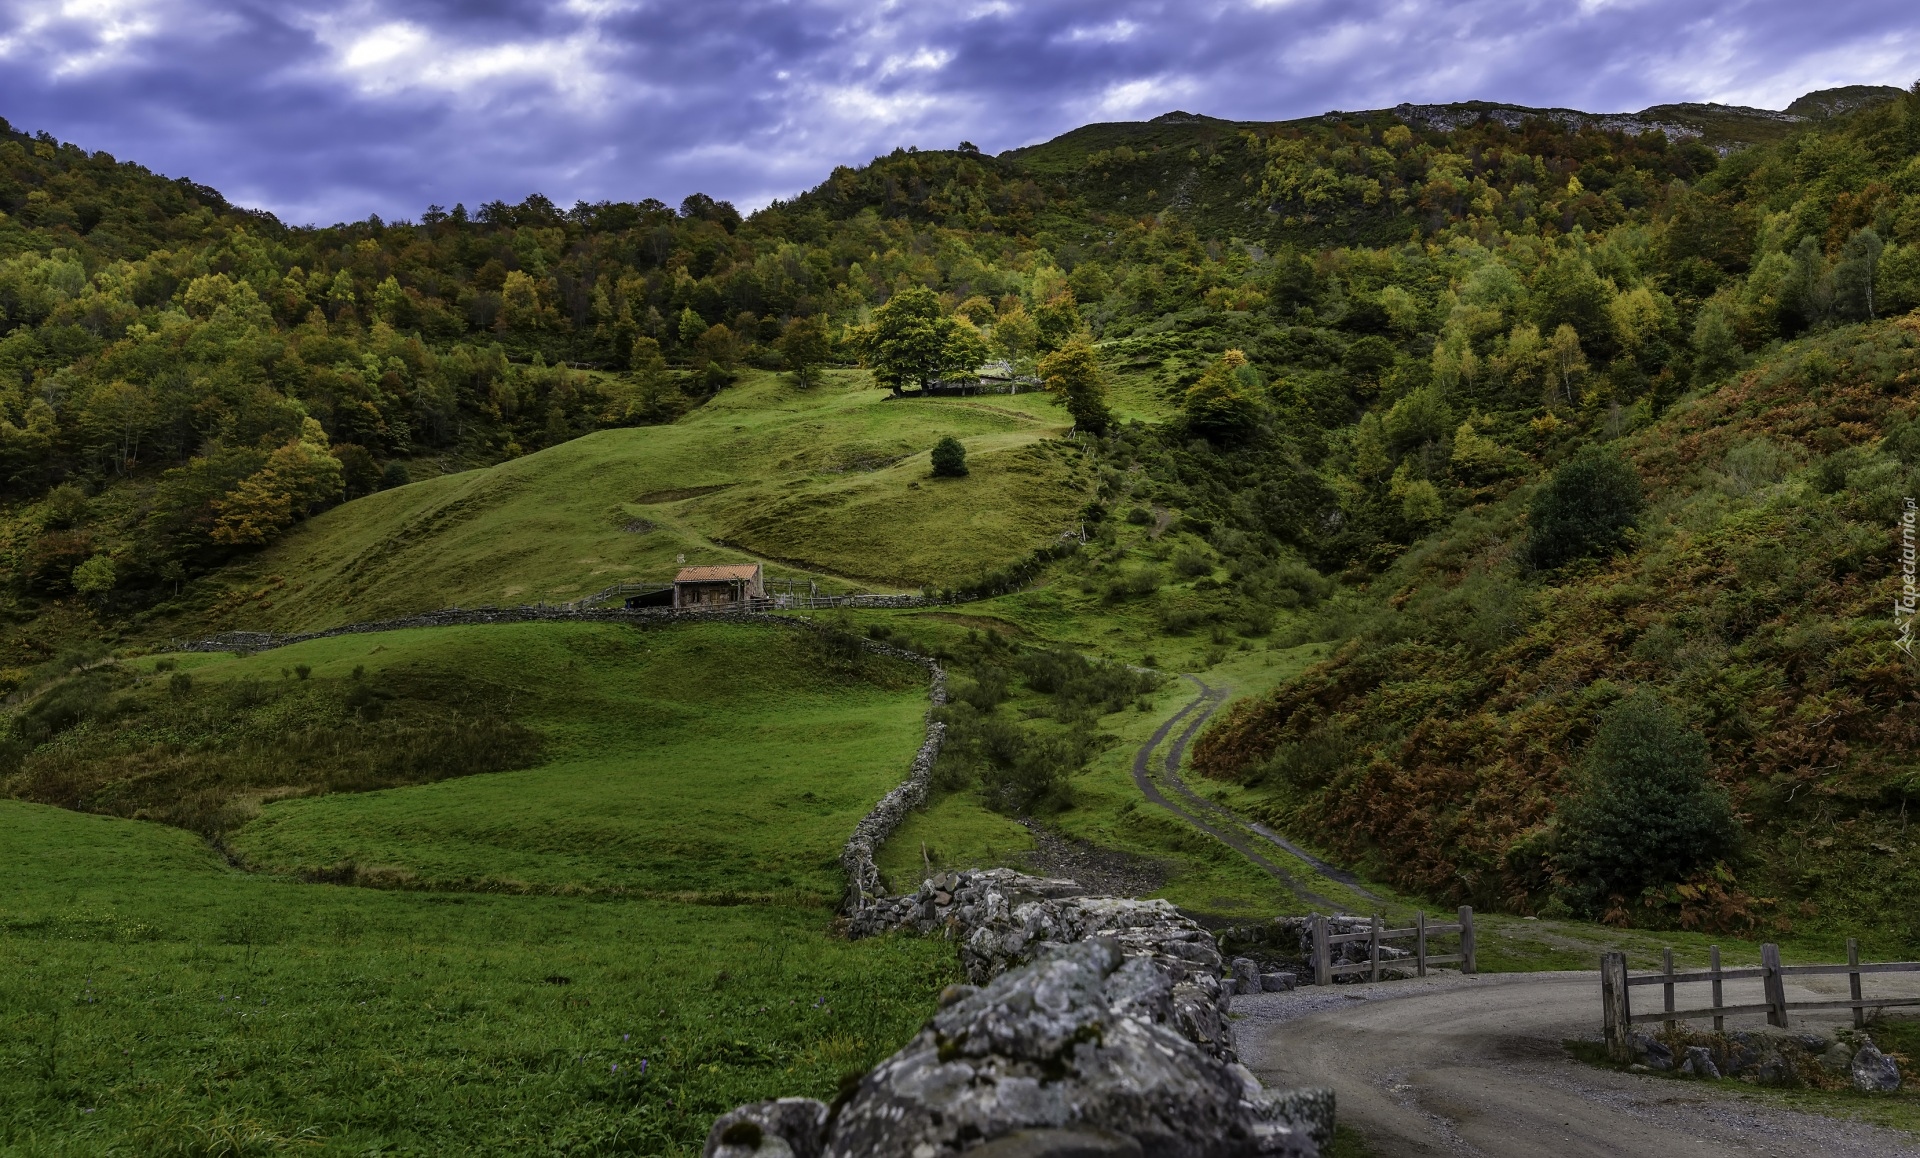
{"x":1114,"y":32}
{"x":1129,"y":98}
{"x":398,"y":56}
{"x":79,"y":36}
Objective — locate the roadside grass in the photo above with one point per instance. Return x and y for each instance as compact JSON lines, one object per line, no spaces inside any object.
{"x":706,"y":760}
{"x":154,"y":1001}
{"x":826,"y":482}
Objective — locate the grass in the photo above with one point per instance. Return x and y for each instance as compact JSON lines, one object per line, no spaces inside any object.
{"x":678,"y":760}
{"x":827,"y":482}
{"x":154,"y":1001}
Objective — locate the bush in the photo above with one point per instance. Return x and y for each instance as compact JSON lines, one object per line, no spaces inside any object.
{"x":1589,"y":507}
{"x":949,"y":458}
{"x":395,"y":475}
{"x":1647,"y":812}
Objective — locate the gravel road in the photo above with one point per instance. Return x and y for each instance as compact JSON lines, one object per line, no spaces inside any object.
{"x":1474,"y":1066}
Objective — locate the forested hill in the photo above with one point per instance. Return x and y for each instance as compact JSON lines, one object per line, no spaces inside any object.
{"x":181,"y":381}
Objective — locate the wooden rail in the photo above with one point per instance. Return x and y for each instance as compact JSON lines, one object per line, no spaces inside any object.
{"x":1616,"y":986}
{"x":1324,"y":970}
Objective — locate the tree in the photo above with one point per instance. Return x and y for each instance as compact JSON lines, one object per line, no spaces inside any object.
{"x":1646,"y":811}
{"x":95,"y":576}
{"x":690,"y":326}
{"x":949,"y":458}
{"x":911,"y":340}
{"x":1058,"y":321}
{"x":1855,"y":278}
{"x":805,"y":348}
{"x":1072,"y":373}
{"x":1716,"y":348}
{"x":1224,"y":404}
{"x":1589,"y":507}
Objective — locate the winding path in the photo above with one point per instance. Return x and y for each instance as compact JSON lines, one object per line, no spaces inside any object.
{"x":1220,"y":822}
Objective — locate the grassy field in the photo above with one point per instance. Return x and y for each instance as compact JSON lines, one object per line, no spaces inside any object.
{"x":154,"y":1001}
{"x":677,"y":760}
{"x":829,"y":482}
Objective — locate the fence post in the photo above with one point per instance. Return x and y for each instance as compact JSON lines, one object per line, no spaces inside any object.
{"x":1420,"y":944}
{"x":1373,"y":950}
{"x":1774,"y":985}
{"x":1466,"y":941}
{"x":1853,"y":984}
{"x":1666,"y":967}
{"x":1322,"y":967}
{"x":1713,"y":965}
{"x":1615,"y":1014}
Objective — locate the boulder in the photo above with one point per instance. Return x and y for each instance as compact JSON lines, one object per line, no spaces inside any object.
{"x":1838,"y":1059}
{"x":1246,"y":975}
{"x":1651,"y":1052}
{"x":783,"y":1128}
{"x":1874,"y":1072}
{"x":1699,"y":1063}
{"x":1080,"y":1041}
{"x":1277,"y":982}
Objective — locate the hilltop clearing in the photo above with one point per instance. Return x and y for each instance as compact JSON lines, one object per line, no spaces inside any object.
{"x":830,"y":482}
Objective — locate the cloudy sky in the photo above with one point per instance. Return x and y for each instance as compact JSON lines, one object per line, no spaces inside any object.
{"x":327,"y":110}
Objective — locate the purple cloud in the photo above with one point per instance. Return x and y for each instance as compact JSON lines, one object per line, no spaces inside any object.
{"x":323,"y":110}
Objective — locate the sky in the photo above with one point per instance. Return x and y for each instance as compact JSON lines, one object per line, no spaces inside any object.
{"x":331,"y":110}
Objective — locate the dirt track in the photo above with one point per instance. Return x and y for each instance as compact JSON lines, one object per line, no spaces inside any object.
{"x":1475,"y":1066}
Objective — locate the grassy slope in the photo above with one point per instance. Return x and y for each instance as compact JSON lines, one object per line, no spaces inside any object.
{"x":832,"y":481}
{"x":154,"y":1001}
{"x":679,"y":760}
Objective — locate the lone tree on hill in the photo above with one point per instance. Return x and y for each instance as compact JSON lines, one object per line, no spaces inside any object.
{"x":1647,"y":812}
{"x":804,"y":347}
{"x":949,"y":458}
{"x":911,"y":340}
{"x":1072,"y":373}
{"x":1589,"y":507}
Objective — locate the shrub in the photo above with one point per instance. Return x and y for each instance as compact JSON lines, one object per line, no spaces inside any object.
{"x":1588,"y":508}
{"x":1647,"y":812}
{"x":1191,"y":561}
{"x":395,"y":475}
{"x":949,"y":458}
{"x":181,"y":684}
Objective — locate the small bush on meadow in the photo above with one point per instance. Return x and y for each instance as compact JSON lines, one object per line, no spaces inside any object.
{"x":949,"y":458}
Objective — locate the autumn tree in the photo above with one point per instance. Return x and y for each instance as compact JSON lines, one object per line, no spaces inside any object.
{"x":1072,"y":374}
{"x":1224,"y":404}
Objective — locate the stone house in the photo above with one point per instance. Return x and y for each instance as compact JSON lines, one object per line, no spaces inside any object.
{"x":718,"y":586}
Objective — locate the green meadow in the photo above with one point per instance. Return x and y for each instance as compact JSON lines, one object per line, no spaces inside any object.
{"x":676,"y":760}
{"x":155,"y":1001}
{"x":831,"y":483}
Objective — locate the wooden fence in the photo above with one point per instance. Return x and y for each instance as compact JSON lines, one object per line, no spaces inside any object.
{"x":1376,"y":937}
{"x":1616,"y":986}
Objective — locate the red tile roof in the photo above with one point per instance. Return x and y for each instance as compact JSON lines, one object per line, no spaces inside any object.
{"x":720,"y":574}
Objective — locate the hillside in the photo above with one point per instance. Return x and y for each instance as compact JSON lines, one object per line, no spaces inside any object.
{"x":1438,"y":745}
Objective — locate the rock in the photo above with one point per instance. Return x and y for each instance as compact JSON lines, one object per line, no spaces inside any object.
{"x":1838,"y":1059}
{"x":1277,"y":982}
{"x":1652,"y":1052}
{"x":1246,"y":975}
{"x":1059,"y":1144}
{"x":784,"y":1128}
{"x":1080,"y":1040}
{"x":1699,"y":1063}
{"x":1874,"y":1072}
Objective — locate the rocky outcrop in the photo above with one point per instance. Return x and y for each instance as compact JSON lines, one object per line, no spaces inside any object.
{"x":1073,"y":1053}
{"x":1091,"y":1026}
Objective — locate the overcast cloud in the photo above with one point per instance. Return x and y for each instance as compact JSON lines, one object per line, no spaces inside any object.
{"x":326,"y":111}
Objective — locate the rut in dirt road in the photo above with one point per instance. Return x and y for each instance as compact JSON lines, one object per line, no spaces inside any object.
{"x":1206,"y":703}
